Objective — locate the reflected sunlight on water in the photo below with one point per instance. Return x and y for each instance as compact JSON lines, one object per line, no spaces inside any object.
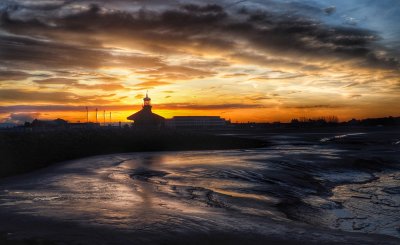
{"x":203,"y":190}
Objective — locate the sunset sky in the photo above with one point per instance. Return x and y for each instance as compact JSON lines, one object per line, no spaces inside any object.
{"x":258,"y":60}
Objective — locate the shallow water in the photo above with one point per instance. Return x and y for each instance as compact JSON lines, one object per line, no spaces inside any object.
{"x":345,"y":183}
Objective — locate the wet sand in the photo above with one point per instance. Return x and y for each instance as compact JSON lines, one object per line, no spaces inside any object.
{"x":320,"y":188}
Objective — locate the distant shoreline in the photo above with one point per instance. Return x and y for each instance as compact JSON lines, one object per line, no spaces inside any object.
{"x":22,"y":152}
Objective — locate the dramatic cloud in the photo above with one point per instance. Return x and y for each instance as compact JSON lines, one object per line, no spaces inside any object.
{"x":24,"y":96}
{"x":212,"y":54}
{"x":64,"y":81}
{"x":75,"y":84}
{"x":13,"y":75}
{"x":165,"y":106}
{"x":189,"y":28}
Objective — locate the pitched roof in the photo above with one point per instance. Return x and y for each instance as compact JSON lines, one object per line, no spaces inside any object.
{"x":145,"y":115}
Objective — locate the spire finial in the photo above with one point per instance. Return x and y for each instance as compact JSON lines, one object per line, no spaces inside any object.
{"x":146,"y":100}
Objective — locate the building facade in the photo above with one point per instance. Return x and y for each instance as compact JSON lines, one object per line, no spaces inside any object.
{"x":196,"y":122}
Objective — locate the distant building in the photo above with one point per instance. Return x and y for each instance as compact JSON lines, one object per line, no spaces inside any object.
{"x":145,"y":117}
{"x":83,"y":125}
{"x":57,"y":123}
{"x":196,"y":122}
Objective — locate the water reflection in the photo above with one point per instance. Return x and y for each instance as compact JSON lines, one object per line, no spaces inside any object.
{"x":192,"y":191}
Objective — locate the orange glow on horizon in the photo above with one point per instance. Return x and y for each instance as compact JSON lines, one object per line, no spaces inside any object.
{"x":235,"y":115}
{"x":271,"y":72}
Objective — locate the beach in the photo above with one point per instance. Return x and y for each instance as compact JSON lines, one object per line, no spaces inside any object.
{"x":322,"y":188}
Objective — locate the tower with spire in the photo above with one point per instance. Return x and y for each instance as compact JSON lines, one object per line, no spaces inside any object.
{"x":147,"y":102}
{"x":145,"y":117}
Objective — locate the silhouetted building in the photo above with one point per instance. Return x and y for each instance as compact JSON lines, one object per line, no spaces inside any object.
{"x":145,"y":117}
{"x":196,"y":122}
{"x":57,"y":123}
{"x":87,"y":125}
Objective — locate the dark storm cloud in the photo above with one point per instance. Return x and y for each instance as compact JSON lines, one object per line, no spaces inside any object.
{"x":296,"y":34}
{"x":76,"y":39}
